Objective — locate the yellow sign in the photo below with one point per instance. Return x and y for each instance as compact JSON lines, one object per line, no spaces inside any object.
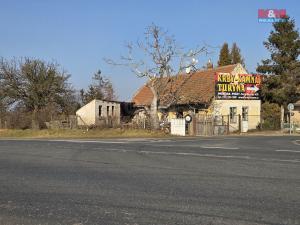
{"x":240,"y":86}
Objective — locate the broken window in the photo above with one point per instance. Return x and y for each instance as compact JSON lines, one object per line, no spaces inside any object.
{"x":100,"y":110}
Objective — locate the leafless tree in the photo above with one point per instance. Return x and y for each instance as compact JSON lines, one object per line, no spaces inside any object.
{"x":156,"y":58}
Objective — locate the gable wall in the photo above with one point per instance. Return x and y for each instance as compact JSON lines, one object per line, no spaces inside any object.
{"x":86,"y":114}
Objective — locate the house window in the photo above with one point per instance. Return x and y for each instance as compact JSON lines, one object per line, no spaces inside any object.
{"x":100,"y":110}
{"x":112,"y":110}
{"x":245,"y":113}
{"x":232,"y":115}
{"x":107,"y":112}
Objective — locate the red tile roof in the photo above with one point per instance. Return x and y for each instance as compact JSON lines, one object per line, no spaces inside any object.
{"x":196,"y":88}
{"x":143,"y":96}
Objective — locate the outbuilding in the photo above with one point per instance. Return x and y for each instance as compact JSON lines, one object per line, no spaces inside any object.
{"x":100,"y":113}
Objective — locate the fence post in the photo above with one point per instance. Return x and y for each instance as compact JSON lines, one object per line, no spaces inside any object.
{"x":261,"y":121}
{"x":213,"y":125}
{"x":194,"y":124}
{"x":240,"y":123}
{"x":228,"y":121}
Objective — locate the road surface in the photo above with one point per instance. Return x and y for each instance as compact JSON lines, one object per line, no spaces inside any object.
{"x":210,"y":181}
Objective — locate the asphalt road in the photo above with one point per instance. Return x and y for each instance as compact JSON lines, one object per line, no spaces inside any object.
{"x":223,"y":180}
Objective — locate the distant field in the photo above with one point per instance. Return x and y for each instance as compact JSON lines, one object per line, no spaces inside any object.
{"x":78,"y":133}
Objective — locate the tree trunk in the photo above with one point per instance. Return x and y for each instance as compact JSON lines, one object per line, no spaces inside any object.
{"x":153,"y":109}
{"x":34,"y":119}
{"x":281,"y":116}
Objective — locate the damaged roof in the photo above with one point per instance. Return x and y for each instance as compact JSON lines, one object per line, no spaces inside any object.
{"x":195,"y":88}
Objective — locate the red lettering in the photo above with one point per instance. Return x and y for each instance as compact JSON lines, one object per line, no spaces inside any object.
{"x":263,"y":13}
{"x":282,"y":13}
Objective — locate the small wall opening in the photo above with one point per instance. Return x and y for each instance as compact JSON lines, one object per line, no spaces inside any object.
{"x":100,"y":110}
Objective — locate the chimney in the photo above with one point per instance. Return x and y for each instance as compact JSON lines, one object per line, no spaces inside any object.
{"x":209,"y":65}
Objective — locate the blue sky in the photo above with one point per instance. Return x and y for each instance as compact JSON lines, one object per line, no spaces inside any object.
{"x":78,"y":34}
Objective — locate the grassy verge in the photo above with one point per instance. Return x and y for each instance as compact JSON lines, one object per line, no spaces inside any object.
{"x":77,"y":133}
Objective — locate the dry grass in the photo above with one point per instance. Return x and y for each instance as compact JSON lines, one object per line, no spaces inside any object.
{"x":77,"y":133}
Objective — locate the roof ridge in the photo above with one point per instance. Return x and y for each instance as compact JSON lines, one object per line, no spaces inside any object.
{"x":219,"y":67}
{"x":194,"y":86}
{"x":190,"y":74}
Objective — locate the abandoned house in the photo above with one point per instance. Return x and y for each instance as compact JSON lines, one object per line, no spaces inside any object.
{"x":225,"y":98}
{"x":100,"y":113}
{"x":103,"y":113}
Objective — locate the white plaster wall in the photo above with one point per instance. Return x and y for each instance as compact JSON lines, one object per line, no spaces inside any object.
{"x":222,"y":107}
{"x":296,"y":117}
{"x":178,"y":127}
{"x":86,"y":114}
{"x":104,"y":115}
{"x":239,"y":69}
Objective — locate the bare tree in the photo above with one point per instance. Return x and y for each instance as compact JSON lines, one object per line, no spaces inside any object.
{"x":156,"y":58}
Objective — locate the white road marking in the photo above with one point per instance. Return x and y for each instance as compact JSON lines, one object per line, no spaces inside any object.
{"x":196,"y":146}
{"x":180,"y":153}
{"x":220,"y":147}
{"x":286,"y":150}
{"x":202,"y":155}
{"x":151,"y":144}
{"x":159,"y":140}
{"x":92,"y":141}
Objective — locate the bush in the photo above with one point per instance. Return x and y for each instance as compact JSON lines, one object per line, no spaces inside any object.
{"x":18,"y":120}
{"x":271,"y":114}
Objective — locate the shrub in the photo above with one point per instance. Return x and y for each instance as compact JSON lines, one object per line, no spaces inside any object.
{"x":271,"y":114}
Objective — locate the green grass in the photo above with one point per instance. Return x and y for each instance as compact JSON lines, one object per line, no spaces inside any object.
{"x":78,"y":133}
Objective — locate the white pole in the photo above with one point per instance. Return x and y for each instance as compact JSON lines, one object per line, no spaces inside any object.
{"x":290,"y":122}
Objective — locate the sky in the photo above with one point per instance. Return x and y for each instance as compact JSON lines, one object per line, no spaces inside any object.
{"x":79,"y":34}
